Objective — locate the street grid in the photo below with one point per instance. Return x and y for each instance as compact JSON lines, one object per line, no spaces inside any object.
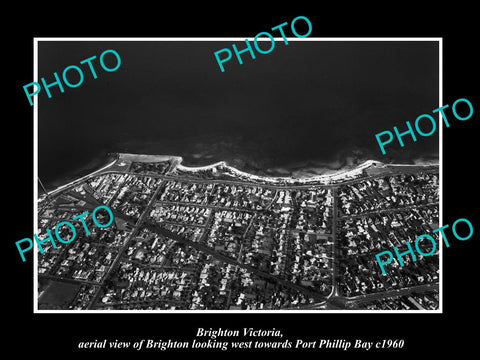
{"x":320,"y":300}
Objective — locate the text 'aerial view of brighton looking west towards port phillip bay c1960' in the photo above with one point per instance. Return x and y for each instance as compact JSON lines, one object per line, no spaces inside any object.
{"x":217,"y":238}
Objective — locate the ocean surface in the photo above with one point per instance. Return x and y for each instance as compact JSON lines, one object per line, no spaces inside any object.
{"x":306,"y":108}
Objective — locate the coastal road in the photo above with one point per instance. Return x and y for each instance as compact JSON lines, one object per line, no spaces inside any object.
{"x":104,"y":171}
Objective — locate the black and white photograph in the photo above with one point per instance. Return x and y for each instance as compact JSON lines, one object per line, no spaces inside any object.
{"x":259,"y":188}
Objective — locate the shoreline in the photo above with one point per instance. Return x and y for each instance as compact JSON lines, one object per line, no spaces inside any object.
{"x":307,"y":169}
{"x":332,"y":175}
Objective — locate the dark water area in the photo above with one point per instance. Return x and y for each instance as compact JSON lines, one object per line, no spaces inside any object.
{"x":308,"y":105}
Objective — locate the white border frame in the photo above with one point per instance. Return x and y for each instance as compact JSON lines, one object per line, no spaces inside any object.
{"x":339,"y":39}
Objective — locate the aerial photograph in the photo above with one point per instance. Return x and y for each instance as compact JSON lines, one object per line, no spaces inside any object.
{"x":259,"y":188}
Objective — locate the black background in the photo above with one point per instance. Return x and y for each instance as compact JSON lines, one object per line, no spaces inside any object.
{"x":56,"y":335}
